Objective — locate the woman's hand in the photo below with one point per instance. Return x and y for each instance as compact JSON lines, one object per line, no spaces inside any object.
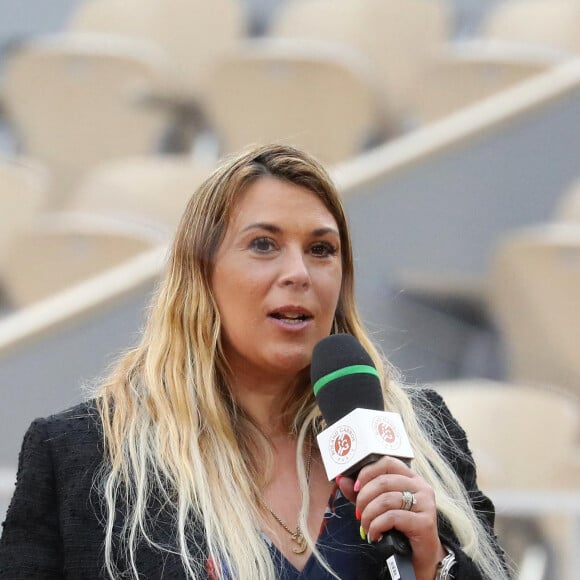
{"x":378,"y":496}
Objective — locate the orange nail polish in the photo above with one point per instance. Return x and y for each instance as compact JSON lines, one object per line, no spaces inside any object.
{"x":357,"y":514}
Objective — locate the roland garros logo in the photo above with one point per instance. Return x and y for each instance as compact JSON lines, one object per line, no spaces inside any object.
{"x":342,"y":444}
{"x":387,"y":433}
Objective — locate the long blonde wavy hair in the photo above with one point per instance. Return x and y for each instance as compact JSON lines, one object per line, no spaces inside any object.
{"x":175,"y":438}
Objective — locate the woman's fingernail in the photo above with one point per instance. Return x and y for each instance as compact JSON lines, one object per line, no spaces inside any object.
{"x":357,"y":485}
{"x":338,"y":478}
{"x":357,"y":514}
{"x":363,"y":534}
{"x":374,"y":541}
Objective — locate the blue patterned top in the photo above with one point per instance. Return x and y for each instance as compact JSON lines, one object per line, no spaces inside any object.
{"x":338,"y":542}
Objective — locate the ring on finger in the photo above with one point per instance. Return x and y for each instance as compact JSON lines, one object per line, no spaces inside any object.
{"x":408,"y":500}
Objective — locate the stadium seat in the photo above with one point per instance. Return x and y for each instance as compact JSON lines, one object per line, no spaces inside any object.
{"x":61,"y":249}
{"x":396,"y":36}
{"x":23,"y":190}
{"x":308,"y":95}
{"x":525,"y":444}
{"x":568,"y":209}
{"x":76,"y":101}
{"x":551,"y":24}
{"x":534,"y":294}
{"x":191,"y":32}
{"x":463,"y":74}
{"x":149,"y":190}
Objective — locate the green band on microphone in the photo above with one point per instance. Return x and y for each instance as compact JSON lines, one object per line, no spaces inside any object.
{"x":344,"y":372}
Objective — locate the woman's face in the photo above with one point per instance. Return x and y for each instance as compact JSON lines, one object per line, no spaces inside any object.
{"x":277,"y":279}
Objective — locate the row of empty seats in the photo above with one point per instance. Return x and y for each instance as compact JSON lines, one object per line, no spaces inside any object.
{"x":313,"y":98}
{"x":120,"y":211}
{"x":129,"y":77}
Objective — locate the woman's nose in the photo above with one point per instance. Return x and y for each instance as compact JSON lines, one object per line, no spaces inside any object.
{"x":295,"y":270}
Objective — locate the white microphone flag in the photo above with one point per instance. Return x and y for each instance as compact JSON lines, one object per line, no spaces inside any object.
{"x":361,"y":433}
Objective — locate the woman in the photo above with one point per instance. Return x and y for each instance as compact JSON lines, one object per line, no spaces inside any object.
{"x":197,"y":457}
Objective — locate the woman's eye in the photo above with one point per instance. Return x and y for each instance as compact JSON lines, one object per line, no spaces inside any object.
{"x":262,"y":245}
{"x":323,"y":249}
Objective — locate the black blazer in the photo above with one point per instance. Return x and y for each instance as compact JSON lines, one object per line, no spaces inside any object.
{"x":54,"y":530}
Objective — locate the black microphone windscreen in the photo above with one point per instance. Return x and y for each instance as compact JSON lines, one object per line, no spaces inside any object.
{"x":344,"y":377}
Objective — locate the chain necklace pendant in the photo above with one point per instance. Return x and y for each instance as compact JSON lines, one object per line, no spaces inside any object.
{"x":299,"y":538}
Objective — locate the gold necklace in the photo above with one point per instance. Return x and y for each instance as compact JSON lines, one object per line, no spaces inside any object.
{"x":296,"y":535}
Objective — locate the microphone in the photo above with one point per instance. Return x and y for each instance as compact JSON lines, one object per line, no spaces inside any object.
{"x":348,"y":391}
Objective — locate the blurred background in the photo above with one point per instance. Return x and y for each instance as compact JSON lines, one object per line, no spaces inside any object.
{"x":452,"y":129}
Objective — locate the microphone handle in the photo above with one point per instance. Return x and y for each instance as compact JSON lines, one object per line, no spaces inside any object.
{"x":395,"y":551}
{"x":394,"y":548}
{"x":398,"y":567}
